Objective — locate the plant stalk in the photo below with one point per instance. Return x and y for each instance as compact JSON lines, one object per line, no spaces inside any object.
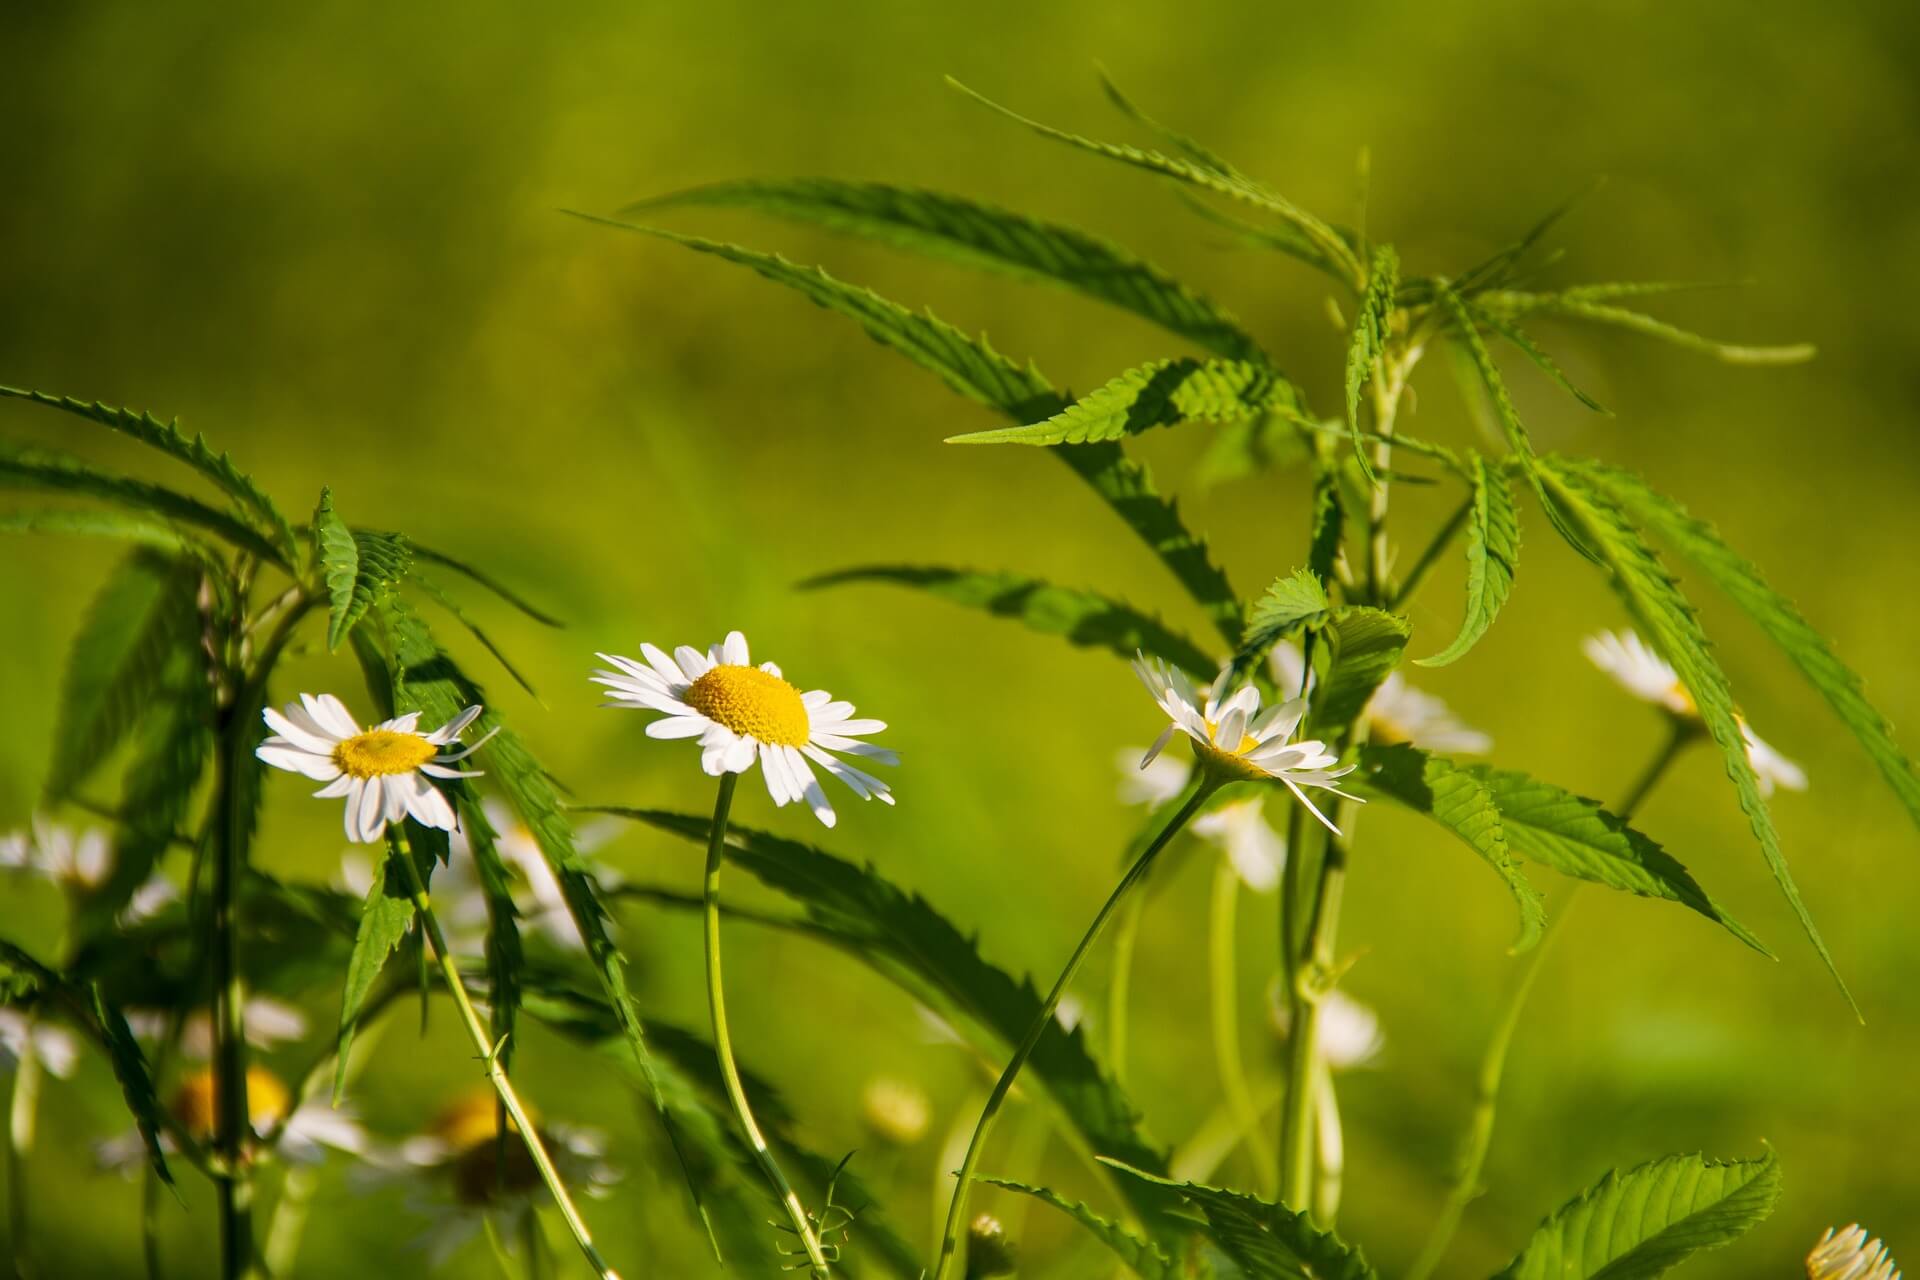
{"x":400,"y":851}
{"x":1224,"y":989}
{"x":951,"y":1249}
{"x":1303,"y":1033}
{"x":723,"y":1040}
{"x":22,"y":1113}
{"x":233,"y":1175}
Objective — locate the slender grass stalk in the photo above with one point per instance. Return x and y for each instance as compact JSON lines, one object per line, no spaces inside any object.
{"x":1303,"y":1039}
{"x":723,"y":1040}
{"x":1120,"y":988}
{"x":1486,"y":1101}
{"x":22,"y":1114}
{"x":951,"y":1236}
{"x":1332,"y":1146}
{"x":488,"y":1051}
{"x":233,"y":1178}
{"x":288,"y":1221}
{"x":1224,"y":989}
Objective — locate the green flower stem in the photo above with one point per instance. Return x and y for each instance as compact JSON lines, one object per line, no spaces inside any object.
{"x":723,"y":1041}
{"x":22,"y":1112}
{"x":1486,"y":1101}
{"x":232,"y":1125}
{"x":1224,"y":990}
{"x":950,"y":1239}
{"x":489,"y":1052}
{"x":1309,"y":989}
{"x":1120,"y":989}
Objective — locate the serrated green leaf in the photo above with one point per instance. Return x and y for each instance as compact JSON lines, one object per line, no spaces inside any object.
{"x":1702,"y":546}
{"x":1369,"y":341}
{"x":480,"y":578}
{"x":1364,"y":646}
{"x":955,"y":229}
{"x":1526,"y":346}
{"x":1141,"y":1256}
{"x":1493,"y":551}
{"x":1643,"y":1223}
{"x":975,"y":370}
{"x":116,"y":666}
{"x":167,"y":438}
{"x":1162,"y":394}
{"x":1084,"y":618}
{"x":1292,"y":604}
{"x":386,"y":917}
{"x":1585,"y":308}
{"x":1267,"y":1241}
{"x":1666,"y":618}
{"x":1195,"y":151}
{"x":906,"y":939}
{"x":1578,"y":837}
{"x":1463,"y":803}
{"x":99,"y":524}
{"x":1205,"y":176}
{"x":1501,"y":264}
{"x":441,"y":598}
{"x":359,"y":567}
{"x":1329,"y":525}
{"x":41,"y":469}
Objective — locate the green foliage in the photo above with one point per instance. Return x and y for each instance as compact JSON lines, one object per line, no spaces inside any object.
{"x":1663,"y":614}
{"x":1369,"y":342}
{"x":1701,"y":545}
{"x":385,"y":920}
{"x":1364,"y":646}
{"x":219,"y":468}
{"x":955,"y":229}
{"x":1161,"y":394}
{"x":1291,"y":605}
{"x":905,"y":938}
{"x":1576,"y":304}
{"x":1267,"y":1241}
{"x":1527,"y":347}
{"x":1462,"y":802}
{"x":432,"y":591}
{"x":116,"y":666}
{"x":358,"y":567}
{"x":1141,"y":1256}
{"x":1493,"y":550}
{"x":427,"y":555}
{"x":95,"y":524}
{"x":1085,"y":618}
{"x":1643,"y":1223}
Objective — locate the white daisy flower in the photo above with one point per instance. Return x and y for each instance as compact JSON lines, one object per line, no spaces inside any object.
{"x":1232,"y":737}
{"x":1240,"y":829}
{"x":23,"y":1035}
{"x":78,"y":861}
{"x":1850,"y":1255}
{"x":270,"y":1024}
{"x":300,"y":1133}
{"x":1643,"y":673}
{"x":384,"y":772}
{"x":741,"y":713}
{"x":1350,"y":1035}
{"x":460,"y":1176}
{"x":1397,"y":712}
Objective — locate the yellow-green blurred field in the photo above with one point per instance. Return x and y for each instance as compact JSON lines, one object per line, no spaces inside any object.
{"x":332,"y":240}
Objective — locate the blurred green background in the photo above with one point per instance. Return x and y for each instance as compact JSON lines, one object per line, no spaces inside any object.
{"x":330,"y":239}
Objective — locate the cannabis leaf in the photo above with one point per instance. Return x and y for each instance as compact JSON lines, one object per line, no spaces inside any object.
{"x":1161,"y":394}
{"x":1493,"y":549}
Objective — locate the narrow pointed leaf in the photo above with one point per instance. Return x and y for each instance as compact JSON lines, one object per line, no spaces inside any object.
{"x":386,"y":917}
{"x":1292,"y":604}
{"x":1162,"y":394}
{"x":1667,"y":619}
{"x":427,"y":555}
{"x":1465,"y":805}
{"x":1701,"y":545}
{"x":1545,"y":363}
{"x":1085,"y":618}
{"x":1364,"y":646}
{"x":1493,"y":550}
{"x":1643,"y":1223}
{"x":1140,"y":1255}
{"x":359,"y":568}
{"x":1369,"y":340}
{"x":1584,"y":308}
{"x":433,"y":592}
{"x":93,"y":524}
{"x":955,"y":229}
{"x":1267,"y":1241}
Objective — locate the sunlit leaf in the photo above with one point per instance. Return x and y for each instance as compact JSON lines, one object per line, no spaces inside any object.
{"x":1493,"y":550}
{"x":1573,"y":306}
{"x":1369,"y":341}
{"x":1141,"y":1256}
{"x":1162,"y":394}
{"x":1267,"y":1241}
{"x":1364,"y":646}
{"x":1291,"y":605}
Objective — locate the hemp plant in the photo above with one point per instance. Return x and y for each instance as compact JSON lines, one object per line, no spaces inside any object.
{"x":1327,"y":639}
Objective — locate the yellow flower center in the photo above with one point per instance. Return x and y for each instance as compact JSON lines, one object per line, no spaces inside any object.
{"x":196,"y":1108}
{"x":752,"y":702}
{"x":382,"y":751}
{"x":470,"y":1120}
{"x":1228,"y":766}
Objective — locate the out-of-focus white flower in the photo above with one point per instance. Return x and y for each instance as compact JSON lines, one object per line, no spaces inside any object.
{"x":1850,"y":1255}
{"x":1643,"y":673}
{"x":459,"y":1176}
{"x":22,"y":1035}
{"x":270,"y":1023}
{"x":1397,"y":712}
{"x":300,"y":1133}
{"x":1350,"y":1034}
{"x":79,"y":863}
{"x":1239,"y":828}
{"x":897,"y":1111}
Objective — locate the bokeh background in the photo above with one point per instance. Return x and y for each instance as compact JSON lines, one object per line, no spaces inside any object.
{"x":330,"y":238}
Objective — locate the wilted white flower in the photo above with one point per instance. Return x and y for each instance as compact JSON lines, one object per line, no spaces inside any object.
{"x":1397,"y":712}
{"x":1350,"y":1034}
{"x":742,"y":713}
{"x":1239,"y":828}
{"x":298,"y":1133}
{"x":1850,"y":1255}
{"x":1233,"y":738}
{"x":384,"y":772}
{"x":23,"y":1035}
{"x":1643,"y":673}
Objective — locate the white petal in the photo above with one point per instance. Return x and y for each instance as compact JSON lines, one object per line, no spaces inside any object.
{"x":331,"y":714}
{"x":1159,"y":745}
{"x":297,"y":734}
{"x":354,"y":789}
{"x":296,"y":760}
{"x":369,"y":817}
{"x":738,"y":757}
{"x":424,"y":801}
{"x":810,"y":788}
{"x":855,"y":728}
{"x":679,"y":727}
{"x":693,"y":663}
{"x":733,"y":650}
{"x":393,"y":797}
{"x":340,"y":786}
{"x":659,"y":661}
{"x":454,"y":728}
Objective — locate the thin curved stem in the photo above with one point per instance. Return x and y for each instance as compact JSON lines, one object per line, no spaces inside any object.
{"x":489,"y":1053}
{"x":1303,"y":1035}
{"x":22,"y":1115}
{"x":1486,"y":1101}
{"x":1224,"y":989}
{"x":1120,"y":986}
{"x":950,"y":1248}
{"x":234,"y":1178}
{"x":723,"y":1040}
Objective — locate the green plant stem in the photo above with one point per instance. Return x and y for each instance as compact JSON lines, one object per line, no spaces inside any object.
{"x":1120,"y":989}
{"x":1224,"y":990}
{"x":950,"y":1240}
{"x":1310,"y":986}
{"x":1479,"y":1137}
{"x":233,"y":1170}
{"x":489,"y":1052}
{"x":288,"y":1221}
{"x":22,"y":1112}
{"x":723,"y":1040}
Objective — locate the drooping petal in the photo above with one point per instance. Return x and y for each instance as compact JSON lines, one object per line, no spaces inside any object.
{"x":320,"y":768}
